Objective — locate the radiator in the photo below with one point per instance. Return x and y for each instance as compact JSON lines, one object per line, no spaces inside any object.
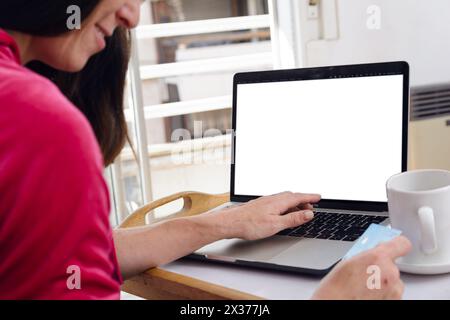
{"x":429,"y":139}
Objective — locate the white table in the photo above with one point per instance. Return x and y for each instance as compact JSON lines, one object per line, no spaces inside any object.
{"x":279,"y":285}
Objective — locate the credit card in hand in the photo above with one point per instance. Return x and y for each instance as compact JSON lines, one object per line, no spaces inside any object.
{"x":373,"y":236}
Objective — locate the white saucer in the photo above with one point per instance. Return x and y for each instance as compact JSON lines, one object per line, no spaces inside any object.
{"x":423,"y":268}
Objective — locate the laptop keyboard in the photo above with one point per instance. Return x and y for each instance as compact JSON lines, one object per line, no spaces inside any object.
{"x":334,"y":226}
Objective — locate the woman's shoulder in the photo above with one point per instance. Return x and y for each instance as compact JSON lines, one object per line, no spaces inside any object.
{"x":33,"y":107}
{"x":32,"y":95}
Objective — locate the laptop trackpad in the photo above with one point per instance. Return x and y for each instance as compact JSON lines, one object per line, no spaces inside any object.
{"x":260,"y":250}
{"x":313,"y":254}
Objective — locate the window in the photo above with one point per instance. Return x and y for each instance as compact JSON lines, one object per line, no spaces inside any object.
{"x":179,"y":94}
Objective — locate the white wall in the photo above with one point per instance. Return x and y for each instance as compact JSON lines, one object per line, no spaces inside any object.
{"x":417,"y":31}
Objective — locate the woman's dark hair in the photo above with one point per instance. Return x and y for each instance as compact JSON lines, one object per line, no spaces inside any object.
{"x":97,"y":90}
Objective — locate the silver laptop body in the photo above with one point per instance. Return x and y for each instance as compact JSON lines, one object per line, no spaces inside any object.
{"x":357,"y":119}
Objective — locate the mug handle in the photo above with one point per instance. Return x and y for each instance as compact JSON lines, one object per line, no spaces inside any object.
{"x":427,"y":230}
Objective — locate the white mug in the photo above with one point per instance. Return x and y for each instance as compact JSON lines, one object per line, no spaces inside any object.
{"x":419,"y":206}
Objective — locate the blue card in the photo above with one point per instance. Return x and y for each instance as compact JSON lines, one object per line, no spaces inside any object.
{"x":373,"y":236}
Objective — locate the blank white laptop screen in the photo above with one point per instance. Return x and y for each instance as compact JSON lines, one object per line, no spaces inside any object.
{"x":341,"y":138}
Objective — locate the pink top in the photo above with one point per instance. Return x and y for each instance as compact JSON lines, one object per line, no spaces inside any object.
{"x":54,"y":202}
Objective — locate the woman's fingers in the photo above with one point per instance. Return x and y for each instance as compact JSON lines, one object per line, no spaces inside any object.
{"x":306,"y":206}
{"x":397,"y":291}
{"x":301,"y":207}
{"x":266,"y":216}
{"x":286,"y":200}
{"x":296,"y":218}
{"x":397,"y":247}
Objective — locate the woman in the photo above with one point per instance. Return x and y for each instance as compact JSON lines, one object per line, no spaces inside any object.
{"x":54,"y":201}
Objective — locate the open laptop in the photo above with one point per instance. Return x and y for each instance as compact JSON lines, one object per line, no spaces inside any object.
{"x":338,"y":131}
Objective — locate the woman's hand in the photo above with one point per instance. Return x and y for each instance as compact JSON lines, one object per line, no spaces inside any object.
{"x":254,"y":220}
{"x":266,"y":216}
{"x":356,"y":278}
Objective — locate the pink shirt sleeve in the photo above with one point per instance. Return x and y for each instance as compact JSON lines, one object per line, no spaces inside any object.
{"x":54,"y":204}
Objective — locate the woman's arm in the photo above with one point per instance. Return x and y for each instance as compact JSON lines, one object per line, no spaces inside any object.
{"x":139,"y":249}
